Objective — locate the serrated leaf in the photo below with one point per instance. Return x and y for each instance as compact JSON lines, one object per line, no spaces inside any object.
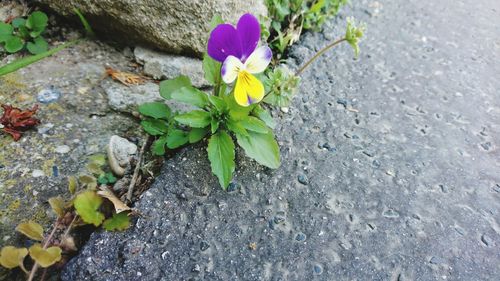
{"x":219,"y":103}
{"x":119,"y":221}
{"x":38,"y":46}
{"x":156,"y":110}
{"x":31,"y":229}
{"x":211,"y":68}
{"x":12,"y":257}
{"x":192,"y":96}
{"x":45,"y":257}
{"x":236,"y":127}
{"x":197,"y":134}
{"x":154,"y":127}
{"x":195,"y":118}
{"x":87,"y":204}
{"x":57,"y":205}
{"x":158,"y":146}
{"x":72,"y":184}
{"x":221,"y":155}
{"x":214,"y":125}
{"x":13,"y":44}
{"x":263,"y":115}
{"x":117,"y":203}
{"x":254,"y":124}
{"x":176,"y":138}
{"x":168,"y":87}
{"x":263,"y":148}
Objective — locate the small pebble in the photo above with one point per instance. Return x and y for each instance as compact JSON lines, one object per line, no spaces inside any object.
{"x":48,"y":95}
{"x":38,"y":173}
{"x":303,"y":179}
{"x":279,"y":219}
{"x":390,"y":213}
{"x":318,"y":269}
{"x":204,"y":246}
{"x":436,"y":260}
{"x":300,"y":237}
{"x":62,"y":149}
{"x":233,"y":186}
{"x":285,"y":109}
{"x":196,"y":268}
{"x":486,"y":240}
{"x":376,"y":163}
{"x":55,"y":171}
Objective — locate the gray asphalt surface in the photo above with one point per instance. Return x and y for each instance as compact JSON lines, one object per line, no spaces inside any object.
{"x":390,"y":168}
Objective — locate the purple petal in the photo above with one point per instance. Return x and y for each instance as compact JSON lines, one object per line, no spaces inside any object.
{"x":249,"y":33}
{"x":224,"y":42}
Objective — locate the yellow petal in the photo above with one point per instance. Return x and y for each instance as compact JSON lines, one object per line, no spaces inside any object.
{"x":248,"y":89}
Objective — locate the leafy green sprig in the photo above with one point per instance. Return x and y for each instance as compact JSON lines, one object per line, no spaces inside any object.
{"x":25,"y":33}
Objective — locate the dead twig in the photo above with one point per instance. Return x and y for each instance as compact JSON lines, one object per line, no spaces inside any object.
{"x":136,"y":170}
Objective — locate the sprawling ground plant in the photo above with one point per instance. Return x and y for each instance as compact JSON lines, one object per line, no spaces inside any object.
{"x":25,"y":33}
{"x":234,"y":64}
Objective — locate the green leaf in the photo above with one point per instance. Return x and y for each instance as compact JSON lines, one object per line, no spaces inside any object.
{"x":23,"y":31}
{"x":87,"y":204}
{"x":154,"y":127}
{"x":88,"y":181}
{"x":88,"y":29}
{"x":31,"y":229}
{"x":214,"y":124}
{"x":37,"y":21}
{"x":5,"y":32}
{"x":195,"y":118}
{"x":72,"y":184}
{"x":236,"y":127}
{"x":94,"y":168}
{"x":120,"y":221}
{"x":57,"y":205}
{"x":263,"y":148}
{"x":168,"y":87}
{"x":221,"y":155}
{"x":197,"y":134}
{"x":191,"y":95}
{"x":176,"y":138}
{"x":111,"y":178}
{"x":45,"y":257}
{"x":216,"y":20}
{"x":99,"y":159}
{"x":157,"y":110}
{"x":17,"y":22}
{"x":219,"y":103}
{"x":13,"y":44}
{"x":12,"y":257}
{"x":38,"y":46}
{"x":158,"y":146}
{"x":263,"y":115}
{"x":237,"y":111}
{"x":254,"y":124}
{"x":211,"y":68}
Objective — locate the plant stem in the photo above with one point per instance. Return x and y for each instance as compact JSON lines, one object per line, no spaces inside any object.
{"x":318,"y":54}
{"x":45,"y":245}
{"x":136,"y":170}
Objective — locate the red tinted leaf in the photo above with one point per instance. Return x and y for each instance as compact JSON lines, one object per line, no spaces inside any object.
{"x":15,"y":120}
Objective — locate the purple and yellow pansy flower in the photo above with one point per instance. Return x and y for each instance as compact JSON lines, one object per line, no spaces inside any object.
{"x":236,"y":48}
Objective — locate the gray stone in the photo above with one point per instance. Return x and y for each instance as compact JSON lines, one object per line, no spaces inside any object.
{"x":120,"y":151}
{"x":165,"y":66}
{"x":127,"y":98}
{"x":170,"y":25}
{"x":400,"y":82}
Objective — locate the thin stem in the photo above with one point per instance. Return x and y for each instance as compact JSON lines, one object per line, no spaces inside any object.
{"x":301,"y":69}
{"x":45,"y":245}
{"x":136,"y":170}
{"x":69,"y":227}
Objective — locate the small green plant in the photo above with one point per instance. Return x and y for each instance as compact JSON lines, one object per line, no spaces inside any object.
{"x":25,"y":34}
{"x":233,"y":110}
{"x":290,"y":17}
